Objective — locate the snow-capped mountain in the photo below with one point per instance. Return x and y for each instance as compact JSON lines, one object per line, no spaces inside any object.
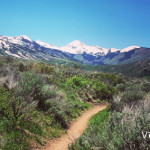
{"x":77,"y":47}
{"x":24,"y":47}
{"x":16,"y":40}
{"x":20,"y":40}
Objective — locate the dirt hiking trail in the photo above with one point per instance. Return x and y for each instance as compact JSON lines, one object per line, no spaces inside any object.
{"x":75,"y":130}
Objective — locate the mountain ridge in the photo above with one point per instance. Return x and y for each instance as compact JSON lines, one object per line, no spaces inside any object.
{"x":24,"y":47}
{"x":72,"y":45}
{"x":76,"y":43}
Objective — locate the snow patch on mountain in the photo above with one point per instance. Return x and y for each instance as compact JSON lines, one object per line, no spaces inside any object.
{"x":129,"y":48}
{"x":46,"y":45}
{"x":9,"y":53}
{"x":4,"y":45}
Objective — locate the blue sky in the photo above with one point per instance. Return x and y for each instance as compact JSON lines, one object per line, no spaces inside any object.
{"x":106,"y":23}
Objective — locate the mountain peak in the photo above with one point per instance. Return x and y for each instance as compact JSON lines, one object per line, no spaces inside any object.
{"x":77,"y":47}
{"x":76,"y":43}
{"x":24,"y":37}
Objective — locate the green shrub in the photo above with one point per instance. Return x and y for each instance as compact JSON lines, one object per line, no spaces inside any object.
{"x":30,"y":88}
{"x":77,"y":82}
{"x":42,"y":68}
{"x":111,"y":79}
{"x":60,"y":108}
{"x":101,"y":90}
{"x":48,"y":91}
{"x":146,"y":87}
{"x":31,"y":84}
{"x":121,"y":87}
{"x":13,"y":117}
{"x":22,"y":67}
{"x":132,"y":96}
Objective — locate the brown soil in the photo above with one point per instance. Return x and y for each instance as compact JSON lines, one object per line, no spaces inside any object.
{"x":75,"y":130}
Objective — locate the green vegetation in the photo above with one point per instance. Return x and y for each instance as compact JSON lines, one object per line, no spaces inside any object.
{"x":139,"y":69}
{"x":38,"y":100}
{"x":121,"y":128}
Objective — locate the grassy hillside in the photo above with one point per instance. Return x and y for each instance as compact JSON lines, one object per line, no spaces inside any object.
{"x":38,"y":100}
{"x":136,"y":69}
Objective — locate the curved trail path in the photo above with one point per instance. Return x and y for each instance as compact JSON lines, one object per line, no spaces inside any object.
{"x":75,"y":130}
